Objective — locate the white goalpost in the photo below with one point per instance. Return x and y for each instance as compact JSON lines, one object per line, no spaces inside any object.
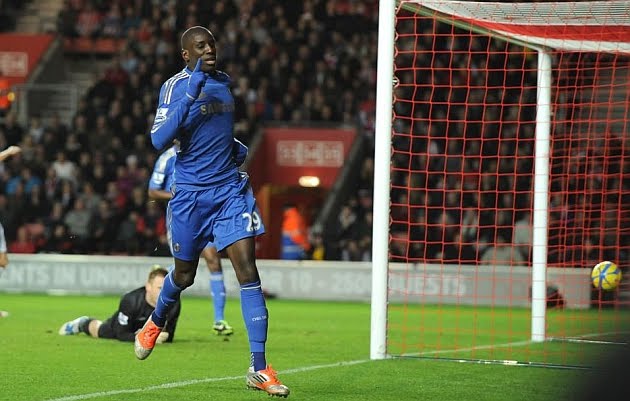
{"x":593,"y":26}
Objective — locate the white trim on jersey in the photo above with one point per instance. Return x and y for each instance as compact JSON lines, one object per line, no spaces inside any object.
{"x":170,"y":85}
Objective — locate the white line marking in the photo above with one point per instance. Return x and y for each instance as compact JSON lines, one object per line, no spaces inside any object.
{"x":198,"y":381}
{"x":289,"y":371}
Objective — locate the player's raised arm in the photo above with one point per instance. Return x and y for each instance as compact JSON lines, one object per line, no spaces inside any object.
{"x":169,"y":118}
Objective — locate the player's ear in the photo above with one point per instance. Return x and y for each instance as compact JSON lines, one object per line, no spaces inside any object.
{"x":185,"y":55}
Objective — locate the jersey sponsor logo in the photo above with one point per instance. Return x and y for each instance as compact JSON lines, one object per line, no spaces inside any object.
{"x":216,"y":108}
{"x":123,"y":319}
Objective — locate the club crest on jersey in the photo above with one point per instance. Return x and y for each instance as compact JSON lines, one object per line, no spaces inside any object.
{"x":176,"y":247}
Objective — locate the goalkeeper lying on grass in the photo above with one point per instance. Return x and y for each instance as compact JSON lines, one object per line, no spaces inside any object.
{"x":134,"y":310}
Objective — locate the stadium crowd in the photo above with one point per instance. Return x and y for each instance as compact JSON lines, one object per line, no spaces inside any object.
{"x":463,"y":161}
{"x":82,"y":188}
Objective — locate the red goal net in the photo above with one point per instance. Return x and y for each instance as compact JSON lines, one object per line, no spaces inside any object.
{"x":466,"y":118}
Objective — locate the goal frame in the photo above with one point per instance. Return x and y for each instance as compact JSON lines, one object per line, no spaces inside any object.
{"x":382,"y":172}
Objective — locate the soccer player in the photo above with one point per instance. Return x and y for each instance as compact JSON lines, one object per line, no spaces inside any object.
{"x":133,"y":311}
{"x":212,"y":200}
{"x":160,"y":190}
{"x":4,"y":258}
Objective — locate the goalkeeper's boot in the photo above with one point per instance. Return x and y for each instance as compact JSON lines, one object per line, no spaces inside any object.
{"x":222,"y":328}
{"x":266,"y":380}
{"x":72,"y":327}
{"x":146,"y":338}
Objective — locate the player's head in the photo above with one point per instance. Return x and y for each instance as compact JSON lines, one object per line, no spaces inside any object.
{"x":154,"y":283}
{"x":198,"y":42}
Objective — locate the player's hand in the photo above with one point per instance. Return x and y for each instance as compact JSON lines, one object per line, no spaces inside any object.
{"x":162,"y":337}
{"x":196,"y":81}
{"x":13,"y":150}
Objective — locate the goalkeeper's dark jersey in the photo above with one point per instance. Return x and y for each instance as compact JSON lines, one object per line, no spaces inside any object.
{"x":131,"y":315}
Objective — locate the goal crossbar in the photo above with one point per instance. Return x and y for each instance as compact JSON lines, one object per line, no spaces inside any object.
{"x":600,"y":26}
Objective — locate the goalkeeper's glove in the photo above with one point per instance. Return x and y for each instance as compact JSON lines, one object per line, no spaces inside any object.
{"x":195,"y":82}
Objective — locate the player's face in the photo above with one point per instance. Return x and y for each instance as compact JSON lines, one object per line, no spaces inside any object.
{"x":153,"y":287}
{"x":202,"y":46}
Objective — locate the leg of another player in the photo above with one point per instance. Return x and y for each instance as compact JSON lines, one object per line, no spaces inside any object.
{"x":217,"y":290}
{"x":76,"y":326}
{"x":176,"y":281}
{"x":253,"y":306}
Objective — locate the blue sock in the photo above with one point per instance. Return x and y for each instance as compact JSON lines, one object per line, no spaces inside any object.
{"x":255,"y":317}
{"x":217,"y":291}
{"x":167,"y":298}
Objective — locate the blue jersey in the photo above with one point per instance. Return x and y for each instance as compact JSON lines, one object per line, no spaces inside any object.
{"x":162,"y":176}
{"x":204,"y":128}
{"x":211,"y":200}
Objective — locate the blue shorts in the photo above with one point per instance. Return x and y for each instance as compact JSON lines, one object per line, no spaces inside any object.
{"x":221,"y":215}
{"x":169,"y":234}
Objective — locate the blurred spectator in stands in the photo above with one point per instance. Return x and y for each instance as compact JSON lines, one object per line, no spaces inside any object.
{"x":523,"y":235}
{"x":346,"y":219}
{"x":54,"y":217}
{"x":115,"y":74}
{"x":29,"y":179}
{"x":128,"y":238}
{"x":23,"y":242}
{"x":13,"y":132}
{"x":585,"y":254}
{"x":67,"y":20}
{"x":77,"y":220}
{"x":502,"y":253}
{"x":7,"y":218}
{"x":88,"y":21}
{"x":91,"y":199}
{"x":65,"y":170}
{"x":37,"y":206}
{"x":129,"y":62}
{"x":58,"y":241}
{"x":103,"y":228}
{"x":154,"y":226}
{"x":352,"y":252}
{"x":318,"y":247}
{"x":17,"y":202}
{"x":65,"y":195}
{"x":111,"y":26}
{"x":130,"y":21}
{"x":6,"y":95}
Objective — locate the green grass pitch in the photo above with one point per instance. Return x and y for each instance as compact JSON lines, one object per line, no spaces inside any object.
{"x":320,"y":349}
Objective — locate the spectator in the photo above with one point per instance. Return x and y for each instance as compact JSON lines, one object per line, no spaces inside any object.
{"x":88,"y":21}
{"x":67,"y":20}
{"x":295,"y":243}
{"x":59,"y":241}
{"x":23,"y":243}
{"x":64,"y":168}
{"x":77,"y":220}
{"x":502,"y":253}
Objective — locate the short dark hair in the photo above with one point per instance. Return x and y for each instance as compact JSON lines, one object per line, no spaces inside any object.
{"x":157,"y":270}
{"x":188,"y":33}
